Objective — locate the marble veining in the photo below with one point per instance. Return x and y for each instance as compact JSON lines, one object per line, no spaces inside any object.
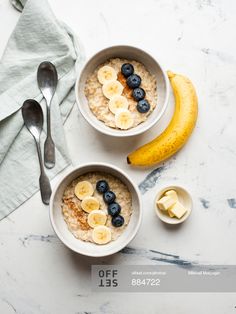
{"x":9,"y":304}
{"x":158,"y":256}
{"x":219,"y":54}
{"x":205,"y":203}
{"x":202,"y":3}
{"x":105,"y":308}
{"x":35,"y":237}
{"x":152,"y":178}
{"x":231,"y":202}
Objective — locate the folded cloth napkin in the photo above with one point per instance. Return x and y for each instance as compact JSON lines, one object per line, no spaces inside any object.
{"x":38,"y":36}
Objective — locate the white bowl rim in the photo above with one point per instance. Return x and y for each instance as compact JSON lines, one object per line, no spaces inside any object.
{"x":69,"y":172}
{"x":107,"y":130}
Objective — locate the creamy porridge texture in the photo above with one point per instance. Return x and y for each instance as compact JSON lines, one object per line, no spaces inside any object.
{"x":77,"y":219}
{"x":99,"y":104}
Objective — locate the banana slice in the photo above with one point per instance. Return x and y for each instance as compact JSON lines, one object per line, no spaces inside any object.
{"x":112,"y":88}
{"x":124,"y":119}
{"x":90,"y":203}
{"x":106,"y":74}
{"x":83,"y":189}
{"x":97,"y":218}
{"x":101,"y":235}
{"x":118,"y":102}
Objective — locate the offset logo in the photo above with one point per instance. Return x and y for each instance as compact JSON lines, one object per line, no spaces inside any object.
{"x":108,"y":278}
{"x":163,"y":278}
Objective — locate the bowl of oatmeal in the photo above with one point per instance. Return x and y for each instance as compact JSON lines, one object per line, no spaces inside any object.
{"x":122,"y":91}
{"x":96,"y":210}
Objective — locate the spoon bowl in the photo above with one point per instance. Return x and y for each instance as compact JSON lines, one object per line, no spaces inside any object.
{"x":33,"y":117}
{"x":47,"y":78}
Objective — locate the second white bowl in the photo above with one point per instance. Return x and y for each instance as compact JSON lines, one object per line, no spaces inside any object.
{"x":88,"y":248}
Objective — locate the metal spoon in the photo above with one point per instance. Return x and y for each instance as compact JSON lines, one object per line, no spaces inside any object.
{"x":47,"y":82}
{"x":33,"y":117}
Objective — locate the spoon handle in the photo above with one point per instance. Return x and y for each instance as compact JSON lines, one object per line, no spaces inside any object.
{"x":45,"y":188}
{"x":49,"y":146}
{"x":44,"y":183}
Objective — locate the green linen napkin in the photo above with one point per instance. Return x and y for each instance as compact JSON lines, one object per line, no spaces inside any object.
{"x":38,"y":36}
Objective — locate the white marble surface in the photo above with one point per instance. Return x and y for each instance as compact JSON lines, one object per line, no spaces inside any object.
{"x":197,"y":38}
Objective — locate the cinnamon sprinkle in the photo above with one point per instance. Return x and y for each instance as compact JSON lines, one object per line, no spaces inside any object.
{"x":127,"y":90}
{"x":79,"y":214}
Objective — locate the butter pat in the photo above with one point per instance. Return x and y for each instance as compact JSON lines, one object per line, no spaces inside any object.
{"x":172,"y":194}
{"x":170,"y":213}
{"x":177,"y":210}
{"x":165,"y":202}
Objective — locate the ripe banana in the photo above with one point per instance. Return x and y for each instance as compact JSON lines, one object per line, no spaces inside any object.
{"x":83,"y":189}
{"x":179,"y":129}
{"x":101,"y":235}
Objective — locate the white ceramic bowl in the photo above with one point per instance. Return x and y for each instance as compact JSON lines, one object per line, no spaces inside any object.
{"x":184,"y":198}
{"x":130,"y":53}
{"x":88,"y":248}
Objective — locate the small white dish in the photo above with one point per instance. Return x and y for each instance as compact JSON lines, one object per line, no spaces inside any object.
{"x":184,"y":198}
{"x":88,"y":248}
{"x":131,"y":53}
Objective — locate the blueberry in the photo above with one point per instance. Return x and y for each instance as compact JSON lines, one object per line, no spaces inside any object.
{"x":114,"y":209}
{"x":117,"y":221}
{"x":127,"y":69}
{"x":143,"y":106}
{"x":133,"y":81}
{"x":138,"y":93}
{"x":109,"y":197}
{"x":102,"y":186}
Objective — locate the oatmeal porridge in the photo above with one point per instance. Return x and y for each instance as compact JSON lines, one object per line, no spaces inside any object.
{"x":97,"y":207}
{"x":121,"y":93}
